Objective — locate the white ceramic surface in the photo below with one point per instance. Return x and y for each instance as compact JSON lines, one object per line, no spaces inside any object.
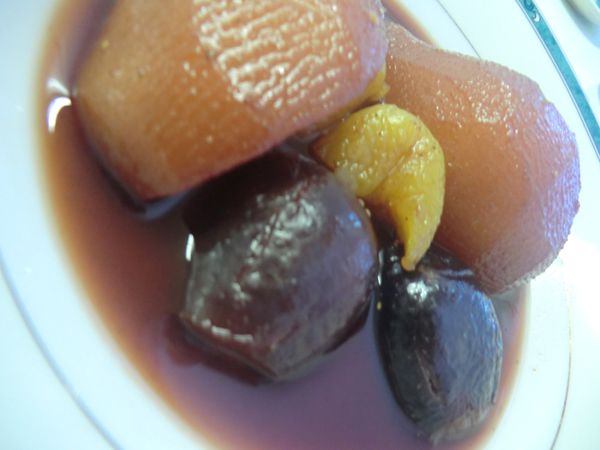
{"x":63,"y":382}
{"x":590,"y":9}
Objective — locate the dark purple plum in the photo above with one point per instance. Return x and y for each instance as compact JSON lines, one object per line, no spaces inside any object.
{"x":440,"y":342}
{"x":284,"y":265}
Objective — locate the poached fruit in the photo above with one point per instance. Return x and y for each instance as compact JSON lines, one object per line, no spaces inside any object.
{"x":174,"y":95}
{"x":512,"y":166}
{"x":284,"y":267}
{"x":440,"y":342}
{"x":388,"y":157}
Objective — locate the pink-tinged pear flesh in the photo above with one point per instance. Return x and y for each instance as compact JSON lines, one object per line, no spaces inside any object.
{"x":512,"y":165}
{"x":175,"y":93}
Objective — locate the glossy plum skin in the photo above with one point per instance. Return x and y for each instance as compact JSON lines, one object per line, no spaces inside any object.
{"x":285,"y":265}
{"x":440,"y":342}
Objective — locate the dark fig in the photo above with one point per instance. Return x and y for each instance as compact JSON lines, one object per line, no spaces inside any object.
{"x":440,"y":342}
{"x":284,"y":266}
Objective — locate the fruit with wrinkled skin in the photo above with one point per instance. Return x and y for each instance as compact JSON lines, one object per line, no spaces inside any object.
{"x":440,"y":342}
{"x":389,"y":158}
{"x":285,"y":264}
{"x":173,"y":94}
{"x":512,"y":166}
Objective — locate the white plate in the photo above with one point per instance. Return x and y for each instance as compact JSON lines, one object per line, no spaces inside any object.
{"x":98,"y":398}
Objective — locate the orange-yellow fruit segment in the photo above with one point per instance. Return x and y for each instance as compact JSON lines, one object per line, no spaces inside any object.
{"x":389,"y":158}
{"x":512,"y":166}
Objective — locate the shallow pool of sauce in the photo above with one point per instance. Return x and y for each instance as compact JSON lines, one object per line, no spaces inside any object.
{"x":133,"y":271}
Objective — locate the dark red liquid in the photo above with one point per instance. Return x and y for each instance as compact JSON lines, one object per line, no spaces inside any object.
{"x":133,"y":271}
